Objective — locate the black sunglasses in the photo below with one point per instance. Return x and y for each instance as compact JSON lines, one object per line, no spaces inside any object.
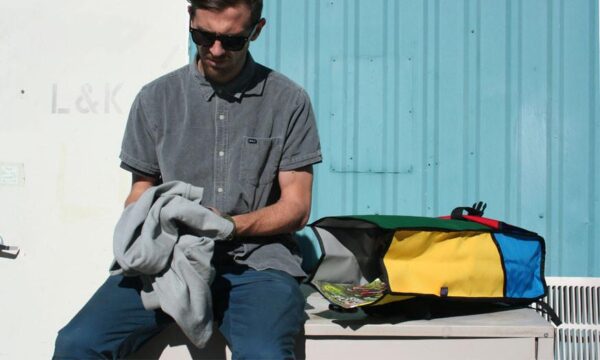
{"x":228,"y":42}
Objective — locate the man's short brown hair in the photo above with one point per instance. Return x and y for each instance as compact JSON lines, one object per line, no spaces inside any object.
{"x":220,"y":5}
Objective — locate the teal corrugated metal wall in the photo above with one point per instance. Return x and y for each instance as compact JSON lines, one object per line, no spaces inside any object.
{"x":424,"y":105}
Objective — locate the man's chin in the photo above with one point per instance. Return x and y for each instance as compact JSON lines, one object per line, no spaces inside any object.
{"x":214,"y":69}
{"x":216,"y":75}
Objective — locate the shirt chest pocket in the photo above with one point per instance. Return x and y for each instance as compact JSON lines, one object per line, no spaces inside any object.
{"x":259,"y":159}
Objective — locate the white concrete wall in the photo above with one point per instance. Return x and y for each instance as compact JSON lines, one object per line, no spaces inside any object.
{"x":69,"y":71}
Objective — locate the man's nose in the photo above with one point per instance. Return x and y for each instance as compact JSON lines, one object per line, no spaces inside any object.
{"x":217,"y":49}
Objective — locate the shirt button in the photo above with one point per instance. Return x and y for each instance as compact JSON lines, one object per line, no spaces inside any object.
{"x":220,"y":189}
{"x":221,"y":153}
{"x":221,"y":117}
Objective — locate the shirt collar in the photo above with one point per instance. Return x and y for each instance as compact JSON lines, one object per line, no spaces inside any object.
{"x":243,"y":84}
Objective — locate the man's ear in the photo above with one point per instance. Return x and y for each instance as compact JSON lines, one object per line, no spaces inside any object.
{"x":262,"y":22}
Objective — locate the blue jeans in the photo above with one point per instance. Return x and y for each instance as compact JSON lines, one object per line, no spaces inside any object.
{"x":258,"y":312}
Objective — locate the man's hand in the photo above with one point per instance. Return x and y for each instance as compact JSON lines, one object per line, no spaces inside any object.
{"x":226,"y":217}
{"x":290,"y":213}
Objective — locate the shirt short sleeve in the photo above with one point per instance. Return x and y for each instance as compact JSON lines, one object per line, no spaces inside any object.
{"x":138,"y":150}
{"x":302,"y":146}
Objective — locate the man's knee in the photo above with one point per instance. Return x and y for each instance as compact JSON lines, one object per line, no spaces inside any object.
{"x":289,"y":300}
{"x":284,"y":317}
{"x":255,"y":349}
{"x":75,"y":343}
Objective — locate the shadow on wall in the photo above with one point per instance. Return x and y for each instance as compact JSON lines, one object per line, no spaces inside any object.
{"x":309,"y":248}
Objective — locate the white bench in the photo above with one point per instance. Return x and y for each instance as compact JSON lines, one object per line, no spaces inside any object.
{"x":511,"y":334}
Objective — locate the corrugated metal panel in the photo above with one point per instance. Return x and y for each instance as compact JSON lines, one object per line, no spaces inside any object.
{"x":426,"y":105}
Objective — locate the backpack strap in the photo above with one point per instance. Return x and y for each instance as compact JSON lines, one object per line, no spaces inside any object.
{"x":474,"y":214}
{"x":548,"y":310}
{"x":476,"y":210}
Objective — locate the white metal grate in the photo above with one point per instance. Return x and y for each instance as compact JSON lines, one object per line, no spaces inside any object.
{"x":577,"y":303}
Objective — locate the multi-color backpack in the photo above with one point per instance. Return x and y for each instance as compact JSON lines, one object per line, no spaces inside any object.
{"x":373,"y":260}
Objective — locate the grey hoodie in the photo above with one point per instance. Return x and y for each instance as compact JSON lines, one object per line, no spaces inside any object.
{"x":167,"y":238}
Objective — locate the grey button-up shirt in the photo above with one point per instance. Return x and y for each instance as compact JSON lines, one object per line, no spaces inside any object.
{"x":231,"y":140}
